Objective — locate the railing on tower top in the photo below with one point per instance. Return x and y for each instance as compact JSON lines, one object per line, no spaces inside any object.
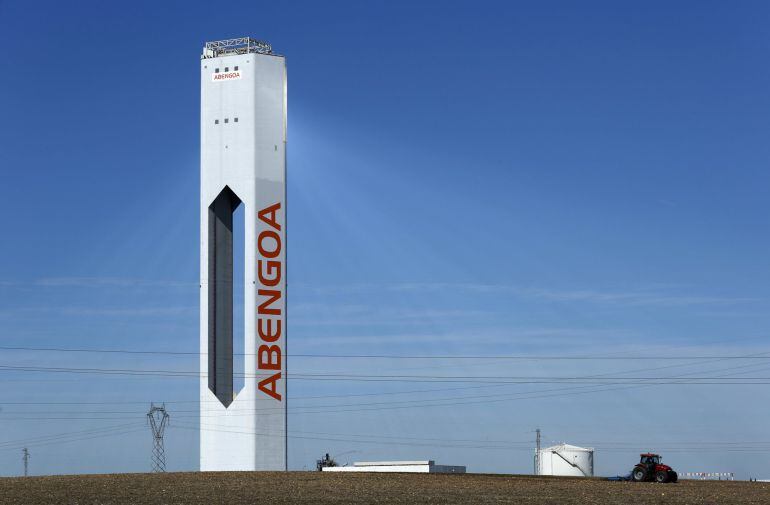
{"x":241,"y":45}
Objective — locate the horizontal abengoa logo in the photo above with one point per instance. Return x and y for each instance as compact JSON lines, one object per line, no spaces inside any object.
{"x":225,"y":76}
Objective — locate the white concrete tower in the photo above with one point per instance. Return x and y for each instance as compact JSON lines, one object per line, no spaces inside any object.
{"x":243,"y":163}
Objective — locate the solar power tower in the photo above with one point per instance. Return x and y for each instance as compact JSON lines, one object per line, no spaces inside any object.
{"x":243,"y":163}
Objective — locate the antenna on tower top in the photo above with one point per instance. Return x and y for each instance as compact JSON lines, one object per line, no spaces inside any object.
{"x":158,"y":418}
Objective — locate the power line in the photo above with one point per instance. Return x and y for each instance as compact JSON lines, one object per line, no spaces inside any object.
{"x":331,"y":376}
{"x":384,"y":393}
{"x":606,"y":380}
{"x":682,"y":378}
{"x":314,"y":397}
{"x":410,"y":443}
{"x":680,"y":446}
{"x":99,"y":351}
{"x":321,"y":409}
{"x":423,"y":403}
{"x":523,"y":443}
{"x":456,"y":444}
{"x":43,"y":438}
{"x":760,"y":356}
{"x":524,"y":357}
{"x":60,"y":440}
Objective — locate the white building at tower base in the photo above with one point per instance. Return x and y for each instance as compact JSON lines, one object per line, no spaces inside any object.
{"x":429,"y":466}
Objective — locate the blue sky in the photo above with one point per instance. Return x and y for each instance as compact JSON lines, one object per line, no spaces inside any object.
{"x":514,"y":178}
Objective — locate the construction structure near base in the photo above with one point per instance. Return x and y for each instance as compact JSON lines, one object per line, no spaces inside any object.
{"x":396,"y":466}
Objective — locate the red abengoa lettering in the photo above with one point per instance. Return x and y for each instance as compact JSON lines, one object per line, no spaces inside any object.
{"x":269,"y":357}
{"x":269,"y":272}
{"x":270,"y":301}
{"x":266,"y":332}
{"x":273,"y":295}
{"x":223,"y":76}
{"x":270,"y":381}
{"x":268,"y":215}
{"x":264,"y":245}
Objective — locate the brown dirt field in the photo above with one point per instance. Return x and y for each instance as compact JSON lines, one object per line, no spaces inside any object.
{"x":340,"y":488}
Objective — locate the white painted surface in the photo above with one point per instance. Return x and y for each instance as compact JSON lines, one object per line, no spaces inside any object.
{"x":567,"y":460}
{"x":249,"y":156}
{"x":396,"y":467}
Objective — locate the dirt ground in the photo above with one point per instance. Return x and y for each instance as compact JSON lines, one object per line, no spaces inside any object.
{"x":341,"y":488}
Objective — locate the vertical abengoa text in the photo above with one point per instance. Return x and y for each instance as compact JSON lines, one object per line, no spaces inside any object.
{"x":269,"y":312}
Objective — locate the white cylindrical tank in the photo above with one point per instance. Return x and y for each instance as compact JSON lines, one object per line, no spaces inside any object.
{"x":566,"y":460}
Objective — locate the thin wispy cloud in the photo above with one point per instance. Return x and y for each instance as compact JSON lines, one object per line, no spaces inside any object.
{"x":124,"y":312}
{"x":641,"y":297}
{"x":120,"y":282}
{"x":657,"y":296}
{"x":97,"y":282}
{"x":130,"y":311}
{"x":331,"y":314}
{"x":634,"y":297}
{"x":477,"y":338}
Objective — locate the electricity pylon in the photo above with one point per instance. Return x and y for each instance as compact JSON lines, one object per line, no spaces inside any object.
{"x":25,"y":452}
{"x":158,"y":418}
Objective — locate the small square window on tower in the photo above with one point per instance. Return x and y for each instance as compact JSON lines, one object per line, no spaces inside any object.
{"x":227,"y":69}
{"x":227,"y":120}
{"x":235,"y":120}
{"x":236,"y":68}
{"x":216,"y":121}
{"x":216,"y":70}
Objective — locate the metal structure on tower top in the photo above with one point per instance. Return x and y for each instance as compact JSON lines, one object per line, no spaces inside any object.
{"x":241,"y":45}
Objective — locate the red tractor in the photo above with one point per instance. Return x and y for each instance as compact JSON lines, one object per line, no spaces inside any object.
{"x":650,"y":469}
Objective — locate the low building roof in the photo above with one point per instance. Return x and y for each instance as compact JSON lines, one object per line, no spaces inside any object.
{"x":392,"y":463}
{"x":567,"y":447}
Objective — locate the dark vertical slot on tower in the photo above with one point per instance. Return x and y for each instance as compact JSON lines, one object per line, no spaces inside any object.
{"x":239,"y":276}
{"x":221,"y":295}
